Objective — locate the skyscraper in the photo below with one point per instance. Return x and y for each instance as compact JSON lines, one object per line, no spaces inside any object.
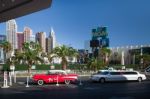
{"x":52,"y":36}
{"x":48,"y":44}
{"x":41,"y":39}
{"x":20,"y":40}
{"x":51,"y":41}
{"x":27,"y":34}
{"x":32,"y":38}
{"x":11,"y":36}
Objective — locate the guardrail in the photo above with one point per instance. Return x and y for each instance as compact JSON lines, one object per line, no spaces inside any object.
{"x":25,"y":73}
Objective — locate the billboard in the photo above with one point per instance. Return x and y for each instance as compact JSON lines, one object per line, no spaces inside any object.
{"x":100,"y":32}
{"x":104,"y":42}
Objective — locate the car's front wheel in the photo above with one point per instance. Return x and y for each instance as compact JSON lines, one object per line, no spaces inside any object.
{"x":102,"y":80}
{"x":40,"y":82}
{"x":139,"y":79}
{"x":67,"y":82}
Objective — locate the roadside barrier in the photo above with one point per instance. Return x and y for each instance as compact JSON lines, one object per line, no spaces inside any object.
{"x":57,"y":82}
{"x":80,"y":83}
{"x":10,"y":78}
{"x":5,"y":85}
{"x":27,"y":85}
{"x":14,"y":77}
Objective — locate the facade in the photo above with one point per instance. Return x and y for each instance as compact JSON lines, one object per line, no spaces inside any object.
{"x":20,"y":40}
{"x":48,"y":45}
{"x":27,"y":34}
{"x":32,"y":38}
{"x":11,"y":33}
{"x":126,"y":55}
{"x":2,"y":38}
{"x":41,"y":39}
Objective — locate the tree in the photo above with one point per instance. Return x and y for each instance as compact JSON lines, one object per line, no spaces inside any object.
{"x":63,"y":52}
{"x":7,"y":49}
{"x":19,"y":57}
{"x":95,"y":63}
{"x":105,"y":54}
{"x":31,"y":54}
{"x":50,"y":57}
{"x":145,"y":58}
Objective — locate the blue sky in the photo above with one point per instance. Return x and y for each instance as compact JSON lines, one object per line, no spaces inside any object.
{"x":128,"y":21}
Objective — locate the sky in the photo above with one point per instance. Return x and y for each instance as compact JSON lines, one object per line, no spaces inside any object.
{"x":127,"y":21}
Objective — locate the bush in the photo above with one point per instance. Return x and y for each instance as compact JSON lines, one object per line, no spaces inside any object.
{"x":6,"y":67}
{"x":19,"y":67}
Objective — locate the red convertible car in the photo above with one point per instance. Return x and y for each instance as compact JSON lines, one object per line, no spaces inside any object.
{"x":54,"y":76}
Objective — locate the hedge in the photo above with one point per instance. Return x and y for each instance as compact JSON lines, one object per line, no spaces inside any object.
{"x":42,"y":67}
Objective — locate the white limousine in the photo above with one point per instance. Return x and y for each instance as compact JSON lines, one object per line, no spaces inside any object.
{"x":118,"y":76}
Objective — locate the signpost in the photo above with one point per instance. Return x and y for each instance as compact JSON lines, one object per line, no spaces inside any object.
{"x":80,"y":82}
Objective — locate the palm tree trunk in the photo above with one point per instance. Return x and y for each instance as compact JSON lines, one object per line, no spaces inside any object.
{"x":29,"y":70}
{"x":64,"y":67}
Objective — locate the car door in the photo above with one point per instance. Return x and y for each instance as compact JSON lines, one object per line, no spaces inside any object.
{"x":131,"y":75}
{"x":56,"y":77}
{"x":51,"y":77}
{"x":115,"y":76}
{"x":61,"y":77}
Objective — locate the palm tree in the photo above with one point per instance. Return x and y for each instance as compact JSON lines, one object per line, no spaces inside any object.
{"x":146,"y":60}
{"x":105,"y":54}
{"x":19,"y":56}
{"x":50,"y":56}
{"x":7,"y":49}
{"x":31,"y":51}
{"x":63,"y":52}
{"x":95,"y":64}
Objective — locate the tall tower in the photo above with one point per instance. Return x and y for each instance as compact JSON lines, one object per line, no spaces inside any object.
{"x":27,"y":34}
{"x":11,"y":33}
{"x":50,"y":41}
{"x":20,"y":39}
{"x":41,"y":39}
{"x":52,"y":36}
{"x":48,"y":44}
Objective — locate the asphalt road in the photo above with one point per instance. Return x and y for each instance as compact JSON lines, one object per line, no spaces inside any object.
{"x":81,"y":90}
